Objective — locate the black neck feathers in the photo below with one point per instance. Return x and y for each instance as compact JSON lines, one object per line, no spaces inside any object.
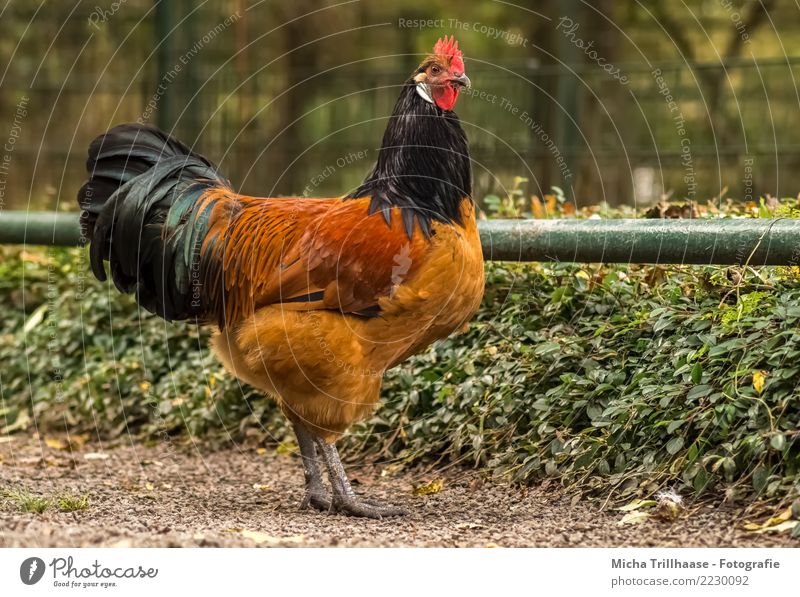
{"x":423,"y":165}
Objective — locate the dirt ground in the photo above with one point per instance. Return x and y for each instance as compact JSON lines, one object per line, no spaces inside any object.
{"x":150,"y":497}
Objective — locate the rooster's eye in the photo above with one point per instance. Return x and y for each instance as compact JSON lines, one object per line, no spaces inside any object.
{"x":435,"y":70}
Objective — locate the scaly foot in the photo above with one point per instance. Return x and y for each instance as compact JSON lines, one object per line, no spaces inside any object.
{"x":353,"y":506}
{"x":316,"y":498}
{"x":343,"y":498}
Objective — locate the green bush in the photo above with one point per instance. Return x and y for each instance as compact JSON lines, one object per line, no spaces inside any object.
{"x":80,"y":356}
{"x":604,"y":377}
{"x":629,"y":378}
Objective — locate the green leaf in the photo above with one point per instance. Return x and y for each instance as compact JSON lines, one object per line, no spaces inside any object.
{"x":674,"y":445}
{"x":674,"y":425}
{"x":547,"y":348}
{"x":778,"y":441}
{"x":760,"y":478}
{"x":697,"y":373}
{"x":699,"y":392}
{"x":700,"y":481}
{"x":663,"y":323}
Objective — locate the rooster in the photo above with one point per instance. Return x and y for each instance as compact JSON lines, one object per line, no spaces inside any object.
{"x":313,"y":299}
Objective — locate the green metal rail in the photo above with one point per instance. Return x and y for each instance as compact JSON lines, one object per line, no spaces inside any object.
{"x":718,"y":241}
{"x":700,"y":242}
{"x":39,"y":228}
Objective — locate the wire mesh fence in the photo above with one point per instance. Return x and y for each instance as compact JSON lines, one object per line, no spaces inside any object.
{"x":304,"y":122}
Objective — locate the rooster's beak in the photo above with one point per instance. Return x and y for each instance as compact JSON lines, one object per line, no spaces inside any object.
{"x":462,"y":80}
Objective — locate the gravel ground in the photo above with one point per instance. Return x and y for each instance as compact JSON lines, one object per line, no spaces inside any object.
{"x":149,"y":497}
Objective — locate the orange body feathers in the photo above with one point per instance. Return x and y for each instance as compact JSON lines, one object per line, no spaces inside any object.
{"x":319,"y":304}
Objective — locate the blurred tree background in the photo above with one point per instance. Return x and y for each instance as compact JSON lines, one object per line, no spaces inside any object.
{"x":620,"y":101}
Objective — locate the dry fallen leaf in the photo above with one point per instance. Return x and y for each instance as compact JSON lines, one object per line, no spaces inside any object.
{"x":260,"y":538}
{"x":429,"y":488}
{"x":469,"y":525}
{"x":286,"y":448}
{"x":776,"y":524}
{"x":55,"y":443}
{"x":73,"y":442}
{"x":635,"y":517}
{"x":95,"y":456}
{"x":260,"y":487}
{"x":34,"y":258}
{"x":261,"y":451}
{"x":786,"y":525}
{"x":636,"y":504}
{"x":32,"y":460}
{"x":390,"y":469}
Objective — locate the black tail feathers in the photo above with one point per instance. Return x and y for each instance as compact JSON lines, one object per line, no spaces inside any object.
{"x":137,"y":174}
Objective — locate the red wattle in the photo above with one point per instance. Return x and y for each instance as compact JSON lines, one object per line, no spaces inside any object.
{"x":445,"y":97}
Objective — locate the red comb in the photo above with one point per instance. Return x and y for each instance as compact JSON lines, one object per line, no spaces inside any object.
{"x":449,"y":48}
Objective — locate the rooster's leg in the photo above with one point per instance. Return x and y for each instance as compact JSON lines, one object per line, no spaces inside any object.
{"x":316,"y":495}
{"x":344,"y":498}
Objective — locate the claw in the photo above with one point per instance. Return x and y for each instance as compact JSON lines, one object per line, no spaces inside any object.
{"x":317,"y":500}
{"x":355,"y":507}
{"x":343,"y":499}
